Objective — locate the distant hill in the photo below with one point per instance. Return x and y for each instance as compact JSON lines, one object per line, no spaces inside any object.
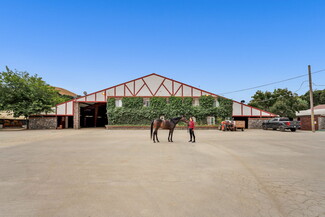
{"x":63,"y":91}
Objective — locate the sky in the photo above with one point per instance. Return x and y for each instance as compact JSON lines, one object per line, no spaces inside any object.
{"x":219,"y":46}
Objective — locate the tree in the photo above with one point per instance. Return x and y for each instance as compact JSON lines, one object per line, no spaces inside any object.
{"x":319,"y":97}
{"x":24,"y":95}
{"x":288,"y":107}
{"x":262,"y":100}
{"x":281,"y":101}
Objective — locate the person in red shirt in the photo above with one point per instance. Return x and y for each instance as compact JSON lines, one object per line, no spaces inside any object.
{"x":191,"y":129}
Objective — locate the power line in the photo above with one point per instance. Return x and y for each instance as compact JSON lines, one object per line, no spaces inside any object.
{"x":301,"y":86}
{"x":318,"y":84}
{"x":276,"y":82}
{"x":318,"y":71}
{"x":266,"y":100}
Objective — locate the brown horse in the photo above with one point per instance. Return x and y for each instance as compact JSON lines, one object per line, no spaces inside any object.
{"x":164,"y":124}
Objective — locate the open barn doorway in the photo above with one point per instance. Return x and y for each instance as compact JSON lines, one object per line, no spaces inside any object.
{"x":93,"y":115}
{"x":64,"y":122}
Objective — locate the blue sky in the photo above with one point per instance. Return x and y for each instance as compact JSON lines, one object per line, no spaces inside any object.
{"x":218,"y":46}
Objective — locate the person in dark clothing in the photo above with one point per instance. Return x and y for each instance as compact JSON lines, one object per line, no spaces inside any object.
{"x":191,"y":129}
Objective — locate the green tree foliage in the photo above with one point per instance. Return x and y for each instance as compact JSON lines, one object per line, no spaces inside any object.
{"x":64,"y":98}
{"x":282,"y":108}
{"x":318,"y":96}
{"x":262,"y":100}
{"x":23,"y":94}
{"x":281,"y":102}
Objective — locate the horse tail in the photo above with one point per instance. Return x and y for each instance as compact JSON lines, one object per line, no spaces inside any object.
{"x":151,"y":129}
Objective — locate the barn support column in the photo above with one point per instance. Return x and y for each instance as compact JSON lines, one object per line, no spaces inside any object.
{"x":96,"y":115}
{"x":76,"y":115}
{"x":66,"y":121}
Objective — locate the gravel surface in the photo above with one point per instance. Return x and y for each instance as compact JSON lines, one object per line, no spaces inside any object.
{"x":108,"y":173}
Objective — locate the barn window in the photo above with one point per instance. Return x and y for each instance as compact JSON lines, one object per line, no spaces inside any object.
{"x":118,"y":102}
{"x":216,"y":103}
{"x":146,"y":102}
{"x":196,"y":102}
{"x":211,"y":120}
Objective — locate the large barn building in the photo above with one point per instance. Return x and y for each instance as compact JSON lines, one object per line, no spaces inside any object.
{"x":90,"y":110}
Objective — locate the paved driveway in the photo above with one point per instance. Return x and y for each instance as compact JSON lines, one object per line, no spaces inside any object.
{"x":95,"y":173}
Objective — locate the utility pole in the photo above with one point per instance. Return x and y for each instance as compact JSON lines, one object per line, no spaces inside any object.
{"x":311,"y":101}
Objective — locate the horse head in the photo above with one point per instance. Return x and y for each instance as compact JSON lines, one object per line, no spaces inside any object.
{"x":177,"y":119}
{"x":183,"y":118}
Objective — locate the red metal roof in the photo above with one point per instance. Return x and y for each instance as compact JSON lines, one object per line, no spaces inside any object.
{"x":319,"y":107}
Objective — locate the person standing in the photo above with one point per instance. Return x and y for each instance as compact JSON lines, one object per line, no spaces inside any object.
{"x":191,"y":129}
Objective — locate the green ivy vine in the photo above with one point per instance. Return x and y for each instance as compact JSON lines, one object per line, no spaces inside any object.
{"x":134,"y":112}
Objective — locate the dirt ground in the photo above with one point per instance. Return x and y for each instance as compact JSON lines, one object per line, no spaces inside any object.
{"x":122,"y":173}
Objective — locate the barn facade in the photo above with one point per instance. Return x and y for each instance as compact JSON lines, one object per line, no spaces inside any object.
{"x":90,"y":110}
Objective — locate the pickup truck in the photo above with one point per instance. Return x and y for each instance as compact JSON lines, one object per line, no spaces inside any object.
{"x":281,"y":123}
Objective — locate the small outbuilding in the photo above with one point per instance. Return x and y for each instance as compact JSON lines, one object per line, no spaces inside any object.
{"x":319,"y":116}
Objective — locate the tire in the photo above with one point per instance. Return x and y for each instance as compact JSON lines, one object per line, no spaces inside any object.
{"x":273,"y":128}
{"x":281,"y":128}
{"x":293,"y":130}
{"x":264,"y":127}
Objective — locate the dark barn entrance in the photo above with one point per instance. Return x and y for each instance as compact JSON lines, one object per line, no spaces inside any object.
{"x":64,"y":122}
{"x":93,"y":115}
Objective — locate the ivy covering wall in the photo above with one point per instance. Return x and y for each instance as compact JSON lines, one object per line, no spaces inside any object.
{"x":133,"y":111}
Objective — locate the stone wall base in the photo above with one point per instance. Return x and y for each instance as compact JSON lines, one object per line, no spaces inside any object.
{"x":256,"y":123}
{"x":42,"y":122}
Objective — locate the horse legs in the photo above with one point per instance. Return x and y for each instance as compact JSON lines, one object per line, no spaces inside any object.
{"x":157,"y":135}
{"x":171,"y":135}
{"x":154,"y":134}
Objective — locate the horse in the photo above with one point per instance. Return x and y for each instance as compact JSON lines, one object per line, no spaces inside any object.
{"x":164,"y":124}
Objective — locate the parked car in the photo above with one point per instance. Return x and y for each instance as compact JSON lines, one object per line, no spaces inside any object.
{"x":281,"y":124}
